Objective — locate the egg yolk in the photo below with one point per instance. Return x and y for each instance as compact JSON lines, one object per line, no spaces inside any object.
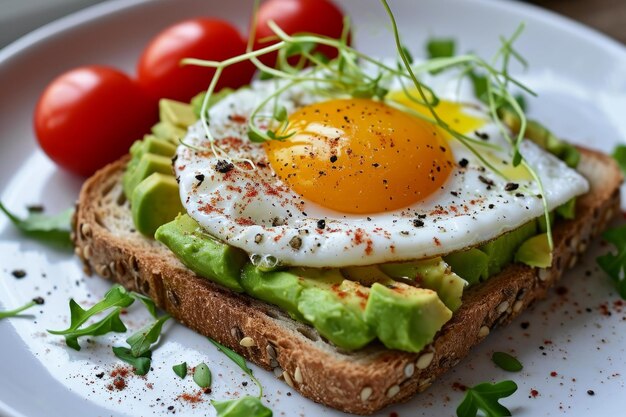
{"x":360,"y":156}
{"x":452,"y":113}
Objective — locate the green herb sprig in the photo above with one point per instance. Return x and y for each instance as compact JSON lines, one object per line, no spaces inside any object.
{"x":484,"y":397}
{"x":247,"y":406}
{"x":507,"y":362}
{"x":619,"y":154}
{"x":114,"y":300}
{"x":180,"y":370}
{"x":139,"y":352}
{"x":54,"y":230}
{"x":614,"y":264}
{"x":202,"y":375}
{"x":15,"y":312}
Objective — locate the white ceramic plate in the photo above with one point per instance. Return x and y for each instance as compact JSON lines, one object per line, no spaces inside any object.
{"x":570,"y":344}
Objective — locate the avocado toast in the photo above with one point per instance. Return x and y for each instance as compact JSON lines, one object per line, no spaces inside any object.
{"x":357,"y":381}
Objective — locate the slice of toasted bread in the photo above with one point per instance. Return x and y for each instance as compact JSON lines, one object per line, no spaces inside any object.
{"x":360,"y":382}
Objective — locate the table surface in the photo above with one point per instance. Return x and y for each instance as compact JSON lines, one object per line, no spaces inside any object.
{"x":608,"y":16}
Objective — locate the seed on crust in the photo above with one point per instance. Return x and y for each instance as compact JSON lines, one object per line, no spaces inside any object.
{"x":172,"y":297}
{"x":366,"y":393}
{"x":424,"y":360}
{"x":572,"y":261}
{"x":236,"y":333}
{"x":517,"y":306}
{"x":288,"y":379}
{"x":409,"y":369}
{"x":543,"y":274}
{"x":423,"y":385}
{"x":87,"y":252}
{"x":502,"y":307}
{"x":278,"y":371}
{"x":297,"y":375}
{"x":271,"y":351}
{"x":247,"y":342}
{"x":85,"y":230}
{"x":483,"y":332}
{"x":393,"y":391}
{"x":273,"y":363}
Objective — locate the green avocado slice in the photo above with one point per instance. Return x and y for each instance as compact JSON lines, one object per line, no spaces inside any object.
{"x":155,"y":201}
{"x":204,"y":255}
{"x":433,"y":274}
{"x":405,"y":317}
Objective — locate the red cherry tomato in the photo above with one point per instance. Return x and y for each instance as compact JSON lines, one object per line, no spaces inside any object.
{"x":89,"y":116}
{"x":321,"y":17}
{"x":159,"y":70}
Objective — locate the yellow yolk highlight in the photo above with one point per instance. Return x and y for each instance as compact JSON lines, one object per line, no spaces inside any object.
{"x":361,"y":156}
{"x":453,"y":114}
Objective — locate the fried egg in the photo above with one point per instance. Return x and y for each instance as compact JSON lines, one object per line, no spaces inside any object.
{"x":361,"y":182}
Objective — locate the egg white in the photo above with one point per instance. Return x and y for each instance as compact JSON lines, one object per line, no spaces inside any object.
{"x":257,"y":212}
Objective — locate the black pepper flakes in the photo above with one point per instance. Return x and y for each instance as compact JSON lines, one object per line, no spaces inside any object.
{"x":463,"y":163}
{"x":418,"y":223}
{"x":223,"y":166}
{"x":19,"y":273}
{"x":295,"y":242}
{"x":591,"y":392}
{"x":39,"y":300}
{"x":321,"y":224}
{"x":485,"y":180}
{"x":511,"y":186}
{"x":200,"y":178}
{"x":481,"y":135}
{"x":258,"y":238}
{"x":333,"y":159}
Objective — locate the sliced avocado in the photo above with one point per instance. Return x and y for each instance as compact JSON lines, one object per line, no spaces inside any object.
{"x":281,"y":288}
{"x":155,"y":201}
{"x":405,"y":317}
{"x":198,"y":100}
{"x":535,"y":252}
{"x":543,"y":137}
{"x":145,"y":166}
{"x":337,"y":311}
{"x":201,"y":253}
{"x":502,"y":250}
{"x":433,"y":274}
{"x":367,"y":275}
{"x":471,"y":265}
{"x":169,"y":132}
{"x":568,"y":210}
{"x":152,"y":144}
{"x":176,"y":113}
{"x":542,"y":223}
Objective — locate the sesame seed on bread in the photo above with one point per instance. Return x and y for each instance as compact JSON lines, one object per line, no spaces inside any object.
{"x":359,"y":382}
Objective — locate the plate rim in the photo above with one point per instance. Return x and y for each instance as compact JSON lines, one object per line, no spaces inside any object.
{"x":108,"y":8}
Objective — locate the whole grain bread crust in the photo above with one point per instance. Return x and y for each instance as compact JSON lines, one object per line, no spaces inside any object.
{"x":360,"y":382}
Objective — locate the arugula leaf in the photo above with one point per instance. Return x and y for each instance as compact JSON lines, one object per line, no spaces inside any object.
{"x":242,"y":407}
{"x":240,"y":361}
{"x":440,"y":48}
{"x":615,"y":264}
{"x":484,"y":397}
{"x":233,"y":356}
{"x":506,"y":361}
{"x":619,"y":154}
{"x":148,"y":303}
{"x":17,"y":311}
{"x":116,"y":298}
{"x":139,"y":354}
{"x":180,"y":370}
{"x":141,"y":364}
{"x":50,"y":229}
{"x":141,"y":341}
{"x":202,"y":375}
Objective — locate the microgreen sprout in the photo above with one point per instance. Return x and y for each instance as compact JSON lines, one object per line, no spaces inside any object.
{"x":355,"y":74}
